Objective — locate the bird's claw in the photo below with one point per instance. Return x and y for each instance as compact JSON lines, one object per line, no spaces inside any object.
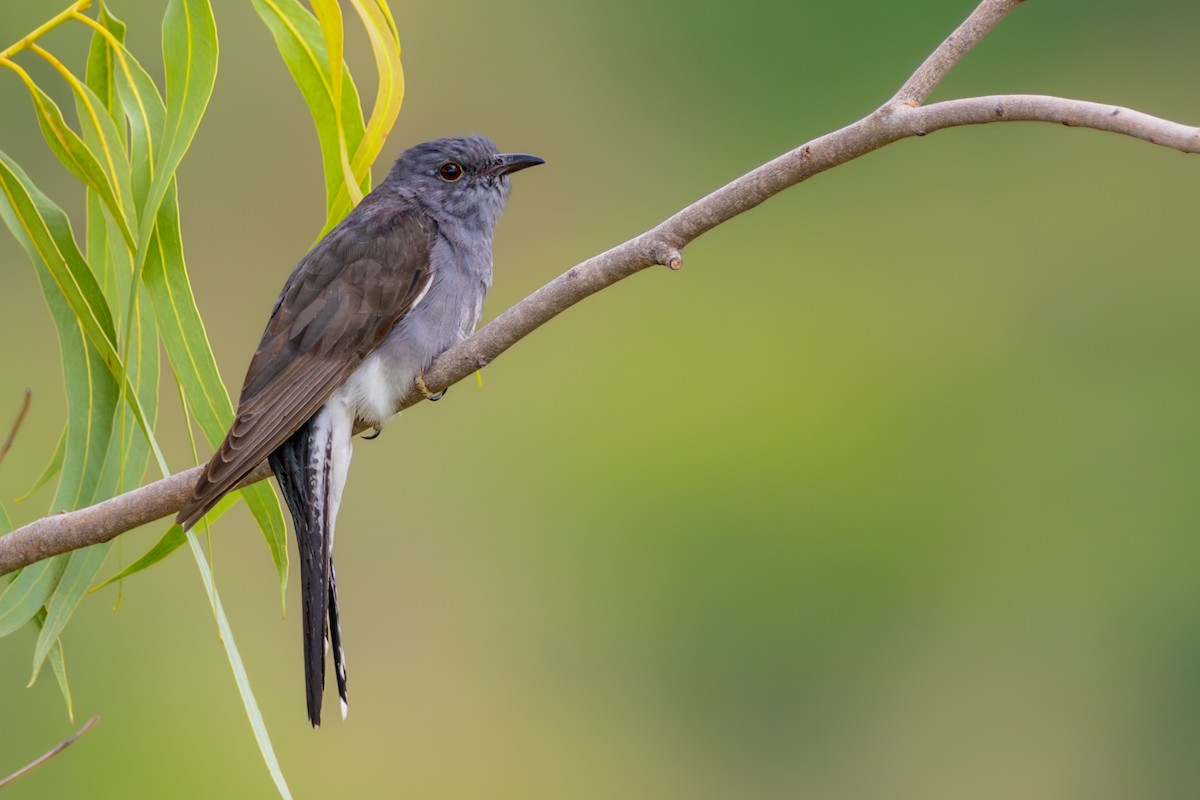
{"x":375,"y":434}
{"x":431,"y":396}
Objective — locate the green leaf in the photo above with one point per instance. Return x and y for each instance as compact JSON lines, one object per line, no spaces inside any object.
{"x":189,"y":42}
{"x":75,"y":155}
{"x":146,"y":114}
{"x":58,"y":663}
{"x":34,"y":220}
{"x":90,"y":386}
{"x":28,"y":592}
{"x":301,"y":42}
{"x":82,"y":568}
{"x":92,"y":392}
{"x":56,"y":462}
{"x":110,"y":258}
{"x":171,"y":541}
{"x":176,"y":315}
{"x":45,"y":232}
{"x":239,"y":671}
{"x":101,"y":63}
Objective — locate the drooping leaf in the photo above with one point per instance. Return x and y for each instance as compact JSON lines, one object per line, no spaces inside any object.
{"x":301,"y":42}
{"x":385,"y":46}
{"x":28,"y":592}
{"x":101,"y":74}
{"x":239,"y":671}
{"x":329,"y":17}
{"x":82,"y":567}
{"x":56,"y":462}
{"x":58,"y":663}
{"x":76,"y":155}
{"x":176,"y":315}
{"x":44,"y":231}
{"x":96,"y":103}
{"x":92,"y":393}
{"x":189,"y":41}
{"x":171,"y":541}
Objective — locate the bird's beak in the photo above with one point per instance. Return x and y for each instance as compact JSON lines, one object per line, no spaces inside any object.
{"x":508,"y":163}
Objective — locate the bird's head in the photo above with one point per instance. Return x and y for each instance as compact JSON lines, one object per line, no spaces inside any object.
{"x":463,"y":176}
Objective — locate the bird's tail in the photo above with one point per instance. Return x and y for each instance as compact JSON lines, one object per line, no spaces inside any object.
{"x":311,"y":470}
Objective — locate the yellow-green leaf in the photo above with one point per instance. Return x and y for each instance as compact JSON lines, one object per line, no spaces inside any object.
{"x":385,"y":45}
{"x":190,"y":49}
{"x":45,"y":232}
{"x":302,"y":43}
{"x":74,"y":153}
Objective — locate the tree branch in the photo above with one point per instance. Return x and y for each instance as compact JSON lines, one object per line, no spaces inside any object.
{"x":900,"y":118}
{"x":916,"y":90}
{"x":58,"y":748}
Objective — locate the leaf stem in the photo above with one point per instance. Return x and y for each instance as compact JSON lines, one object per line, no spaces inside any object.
{"x":47,"y":26}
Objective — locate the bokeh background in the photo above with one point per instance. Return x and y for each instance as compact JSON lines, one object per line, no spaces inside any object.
{"x":891,"y":492}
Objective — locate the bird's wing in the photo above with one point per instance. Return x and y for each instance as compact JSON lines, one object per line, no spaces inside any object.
{"x":338,"y":306}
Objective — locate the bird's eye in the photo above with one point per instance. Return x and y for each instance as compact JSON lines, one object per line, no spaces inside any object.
{"x":450,"y":172}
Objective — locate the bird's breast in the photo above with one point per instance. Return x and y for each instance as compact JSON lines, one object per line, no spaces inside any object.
{"x":444,"y":315}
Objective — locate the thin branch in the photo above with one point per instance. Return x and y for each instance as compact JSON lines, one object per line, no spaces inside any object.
{"x":16,"y":426}
{"x":63,"y":745}
{"x":916,"y":90}
{"x":898,"y":119}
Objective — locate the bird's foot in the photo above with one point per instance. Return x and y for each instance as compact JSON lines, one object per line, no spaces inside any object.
{"x":429,"y":395}
{"x":375,"y":434}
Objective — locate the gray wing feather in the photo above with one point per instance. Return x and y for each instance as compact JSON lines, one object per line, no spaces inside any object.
{"x":338,"y":305}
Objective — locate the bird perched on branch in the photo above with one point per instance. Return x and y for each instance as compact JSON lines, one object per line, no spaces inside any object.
{"x":399,"y":280}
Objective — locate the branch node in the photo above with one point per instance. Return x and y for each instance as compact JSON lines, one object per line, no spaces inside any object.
{"x":668,"y":257}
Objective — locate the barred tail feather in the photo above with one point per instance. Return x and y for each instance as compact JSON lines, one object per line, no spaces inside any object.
{"x":335,"y":641}
{"x":311,"y":470}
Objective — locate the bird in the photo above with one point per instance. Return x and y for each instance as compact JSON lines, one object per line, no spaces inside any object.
{"x":398,"y":281}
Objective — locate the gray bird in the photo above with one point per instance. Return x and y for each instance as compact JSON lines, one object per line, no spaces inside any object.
{"x":399,"y":280}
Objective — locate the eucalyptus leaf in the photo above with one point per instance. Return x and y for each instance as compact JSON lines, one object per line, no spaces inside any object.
{"x":77,"y":156}
{"x":52,"y":469}
{"x":58,"y":664}
{"x":82,"y":568}
{"x":44,"y":231}
{"x":301,"y":43}
{"x":165,"y":277}
{"x":24,"y":597}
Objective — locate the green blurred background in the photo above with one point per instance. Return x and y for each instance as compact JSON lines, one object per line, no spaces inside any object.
{"x":891,"y":492}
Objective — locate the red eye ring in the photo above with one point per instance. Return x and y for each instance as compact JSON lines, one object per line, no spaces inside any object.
{"x":451,"y":171}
